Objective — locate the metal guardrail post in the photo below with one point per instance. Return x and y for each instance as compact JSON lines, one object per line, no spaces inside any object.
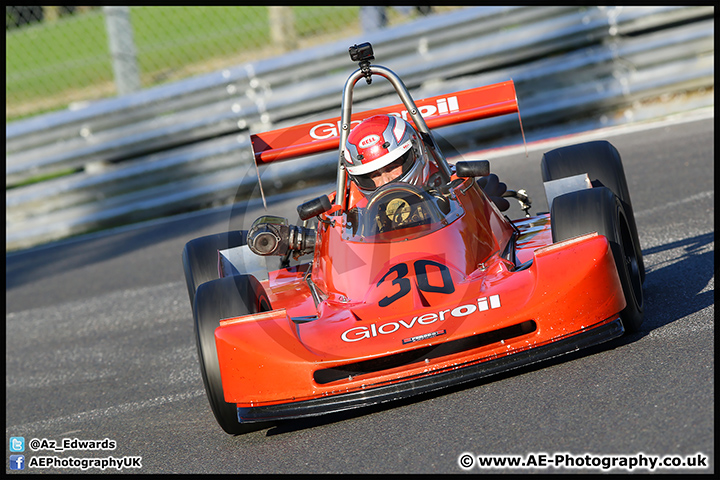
{"x":282,"y":27}
{"x":122,"y":49}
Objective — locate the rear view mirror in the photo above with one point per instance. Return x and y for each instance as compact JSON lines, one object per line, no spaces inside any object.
{"x":314,"y":207}
{"x":472,"y":168}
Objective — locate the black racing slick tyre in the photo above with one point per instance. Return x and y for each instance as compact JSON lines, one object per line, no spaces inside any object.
{"x":214,"y":301}
{"x":600,"y":210}
{"x":200,"y":257}
{"x":602,"y":162}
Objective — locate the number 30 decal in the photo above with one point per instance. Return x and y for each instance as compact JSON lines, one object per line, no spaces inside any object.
{"x":403,"y":283}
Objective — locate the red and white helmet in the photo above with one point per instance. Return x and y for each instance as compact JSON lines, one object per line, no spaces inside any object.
{"x":377,"y":148}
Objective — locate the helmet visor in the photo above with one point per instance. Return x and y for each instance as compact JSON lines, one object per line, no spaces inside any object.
{"x":388,"y":173}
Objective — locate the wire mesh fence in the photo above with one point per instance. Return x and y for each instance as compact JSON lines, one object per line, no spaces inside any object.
{"x":185,"y":144}
{"x":57,"y":56}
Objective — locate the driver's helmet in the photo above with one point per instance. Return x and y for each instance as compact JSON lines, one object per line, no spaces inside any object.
{"x":384,"y":149}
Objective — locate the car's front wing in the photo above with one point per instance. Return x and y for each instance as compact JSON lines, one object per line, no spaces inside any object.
{"x":422,"y":384}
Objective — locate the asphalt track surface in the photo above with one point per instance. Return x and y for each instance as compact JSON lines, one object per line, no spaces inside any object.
{"x":99,"y":344}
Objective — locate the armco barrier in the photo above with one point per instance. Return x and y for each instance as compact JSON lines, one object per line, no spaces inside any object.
{"x":186,"y":145}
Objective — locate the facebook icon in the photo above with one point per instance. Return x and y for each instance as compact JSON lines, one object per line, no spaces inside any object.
{"x":17,"y":462}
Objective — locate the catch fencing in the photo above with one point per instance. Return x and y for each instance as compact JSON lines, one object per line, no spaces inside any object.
{"x":185,"y":145}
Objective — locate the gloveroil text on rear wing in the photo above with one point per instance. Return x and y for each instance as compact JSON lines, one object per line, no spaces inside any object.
{"x":439,"y":111}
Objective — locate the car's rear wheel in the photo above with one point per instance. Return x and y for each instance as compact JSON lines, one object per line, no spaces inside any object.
{"x":600,"y":210}
{"x":214,"y":301}
{"x":200,"y":257}
{"x":602,"y":162}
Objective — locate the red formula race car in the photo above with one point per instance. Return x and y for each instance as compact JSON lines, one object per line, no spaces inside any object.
{"x":410,"y":288}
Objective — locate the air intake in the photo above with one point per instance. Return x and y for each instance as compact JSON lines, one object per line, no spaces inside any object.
{"x":409,"y":358}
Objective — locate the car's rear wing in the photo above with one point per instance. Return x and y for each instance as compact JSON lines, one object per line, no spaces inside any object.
{"x":315,"y":137}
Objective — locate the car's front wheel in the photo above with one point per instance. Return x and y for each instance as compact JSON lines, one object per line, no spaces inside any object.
{"x":600,"y":210}
{"x":214,"y":301}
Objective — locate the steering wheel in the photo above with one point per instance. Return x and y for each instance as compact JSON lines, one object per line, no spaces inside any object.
{"x":398,"y":209}
{"x":397,"y":206}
